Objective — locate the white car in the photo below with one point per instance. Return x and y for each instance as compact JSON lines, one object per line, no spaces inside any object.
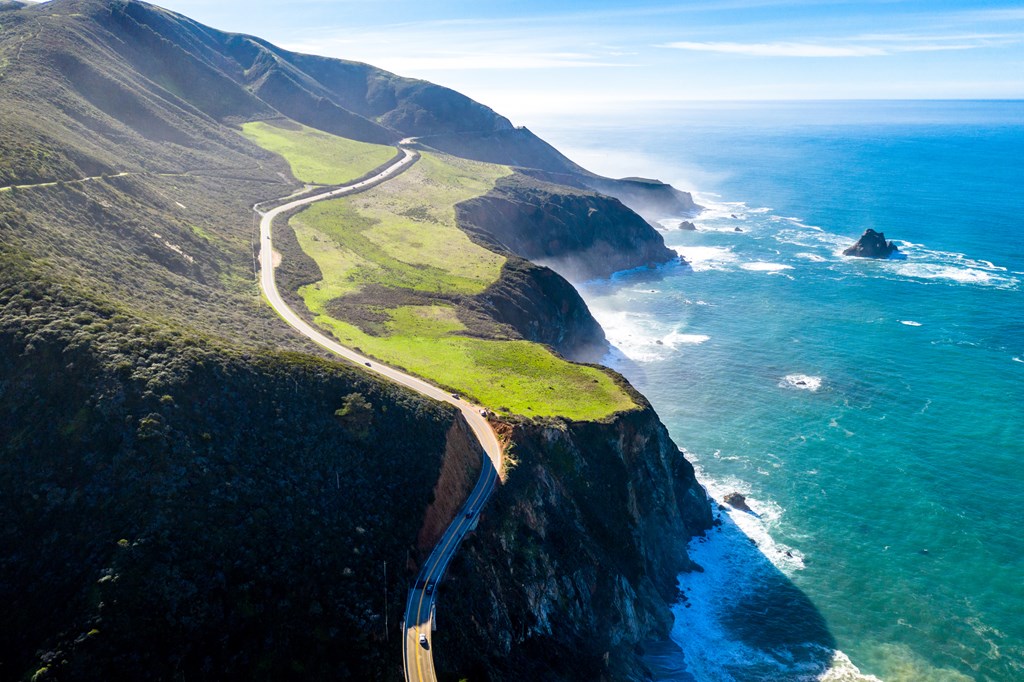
{"x":423,"y":639}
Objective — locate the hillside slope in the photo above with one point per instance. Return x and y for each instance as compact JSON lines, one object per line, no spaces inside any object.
{"x":202,"y":74}
{"x":148,"y":395}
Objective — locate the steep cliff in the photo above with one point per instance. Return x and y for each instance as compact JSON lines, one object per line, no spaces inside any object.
{"x":540,"y":305}
{"x":460,"y":469}
{"x":578,"y":233}
{"x":651,"y":199}
{"x":575,"y":560}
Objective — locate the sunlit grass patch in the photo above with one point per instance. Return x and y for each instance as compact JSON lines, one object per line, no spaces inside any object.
{"x":318,"y":157}
{"x":369,"y":238}
{"x":396,"y":267}
{"x":521,"y":377}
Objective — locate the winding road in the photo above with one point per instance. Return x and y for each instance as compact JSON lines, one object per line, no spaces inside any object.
{"x":417,"y":645}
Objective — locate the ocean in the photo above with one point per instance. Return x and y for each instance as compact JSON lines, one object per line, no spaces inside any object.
{"x":871,"y":412}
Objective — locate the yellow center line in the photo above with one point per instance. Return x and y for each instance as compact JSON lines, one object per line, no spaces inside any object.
{"x":453,"y":536}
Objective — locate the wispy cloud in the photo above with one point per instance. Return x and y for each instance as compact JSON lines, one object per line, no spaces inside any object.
{"x":470,"y":45}
{"x":860,"y":46}
{"x":781,"y":49}
{"x":499,"y":61}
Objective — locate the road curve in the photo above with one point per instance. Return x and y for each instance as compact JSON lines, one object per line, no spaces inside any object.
{"x":418,"y":659}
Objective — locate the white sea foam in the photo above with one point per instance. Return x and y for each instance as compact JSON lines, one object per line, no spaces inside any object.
{"x":1016,"y":359}
{"x":714,"y":207}
{"x":641,"y":337}
{"x":721,"y":216}
{"x":741,"y":560}
{"x":675,"y":339}
{"x":761,"y":266}
{"x":918,"y":262}
{"x":814,"y":239}
{"x":804,"y":382}
{"x":939,"y":271}
{"x":955,"y":273}
{"x":813,"y":257}
{"x":795,"y":221}
{"x":703,"y":258}
{"x":910,"y":323}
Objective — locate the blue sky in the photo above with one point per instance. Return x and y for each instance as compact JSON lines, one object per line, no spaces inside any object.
{"x":534,"y":57}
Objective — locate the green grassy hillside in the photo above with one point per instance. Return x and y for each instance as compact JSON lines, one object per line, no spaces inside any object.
{"x":397,"y":273}
{"x":317,"y":157}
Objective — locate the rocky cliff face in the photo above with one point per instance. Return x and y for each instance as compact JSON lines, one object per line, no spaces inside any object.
{"x":463,"y":458}
{"x":542,"y":306}
{"x":579,"y":234}
{"x":575,"y":559}
{"x":651,"y":199}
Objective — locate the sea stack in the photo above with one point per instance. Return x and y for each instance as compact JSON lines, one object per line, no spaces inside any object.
{"x":871,"y":245}
{"x":738,"y":501}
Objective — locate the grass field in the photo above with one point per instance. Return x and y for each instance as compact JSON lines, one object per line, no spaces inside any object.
{"x":401,"y":238}
{"x":317,"y":157}
{"x":517,"y":377}
{"x":403,"y":235}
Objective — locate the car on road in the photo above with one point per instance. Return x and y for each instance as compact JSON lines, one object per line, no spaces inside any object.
{"x":430,"y":588}
{"x":455,"y":395}
{"x":423,"y":640}
{"x":368,"y":364}
{"x":469,"y":514}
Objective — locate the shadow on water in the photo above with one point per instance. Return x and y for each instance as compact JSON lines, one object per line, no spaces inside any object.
{"x":741,"y":618}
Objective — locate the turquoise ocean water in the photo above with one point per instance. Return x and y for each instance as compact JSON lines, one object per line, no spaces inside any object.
{"x":871,"y":411}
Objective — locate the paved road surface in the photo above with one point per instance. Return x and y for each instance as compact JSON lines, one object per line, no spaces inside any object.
{"x":419,"y":664}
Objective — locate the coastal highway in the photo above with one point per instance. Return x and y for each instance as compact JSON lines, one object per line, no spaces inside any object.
{"x":418,"y":659}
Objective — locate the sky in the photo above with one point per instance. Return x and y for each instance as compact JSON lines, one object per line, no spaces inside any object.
{"x":546,"y":57}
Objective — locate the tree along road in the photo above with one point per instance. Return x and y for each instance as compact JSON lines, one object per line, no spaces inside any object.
{"x":416,"y":647}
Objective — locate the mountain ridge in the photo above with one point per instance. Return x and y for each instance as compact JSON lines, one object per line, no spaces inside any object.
{"x":254,"y":79}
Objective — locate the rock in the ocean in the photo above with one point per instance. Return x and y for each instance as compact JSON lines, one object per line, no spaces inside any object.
{"x":871,"y":245}
{"x":687,"y":225}
{"x":737,"y":501}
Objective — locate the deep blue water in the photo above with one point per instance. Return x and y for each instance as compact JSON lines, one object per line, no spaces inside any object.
{"x":872,"y":412}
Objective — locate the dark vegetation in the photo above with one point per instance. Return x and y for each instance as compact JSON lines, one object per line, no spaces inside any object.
{"x":203,"y":512}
